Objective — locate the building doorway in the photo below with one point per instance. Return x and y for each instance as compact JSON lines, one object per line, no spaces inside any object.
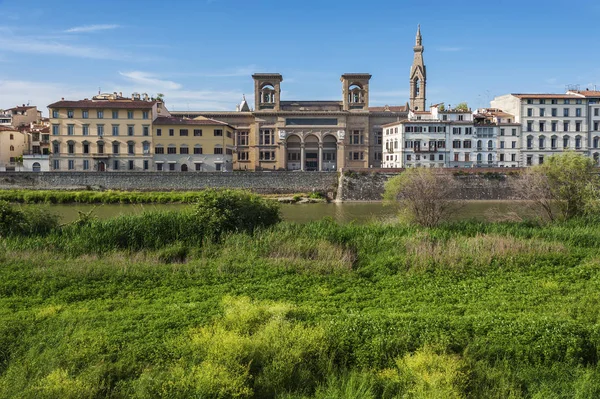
{"x":311,"y":148}
{"x":184,"y":168}
{"x":37,"y":167}
{"x":101,"y":166}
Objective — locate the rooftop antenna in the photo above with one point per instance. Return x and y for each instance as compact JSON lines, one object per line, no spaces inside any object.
{"x":98,"y":89}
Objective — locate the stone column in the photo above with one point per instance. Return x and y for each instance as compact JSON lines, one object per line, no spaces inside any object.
{"x":320,"y":157}
{"x":302,"y":157}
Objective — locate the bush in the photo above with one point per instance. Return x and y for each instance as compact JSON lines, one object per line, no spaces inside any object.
{"x":32,"y":221}
{"x":234,"y":211}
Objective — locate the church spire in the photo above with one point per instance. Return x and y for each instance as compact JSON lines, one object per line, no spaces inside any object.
{"x":418,"y":76}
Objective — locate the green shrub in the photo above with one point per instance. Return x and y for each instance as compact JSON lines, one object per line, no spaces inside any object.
{"x":177,"y":253}
{"x":25,"y":222}
{"x":226,"y":211}
{"x":12,"y":220}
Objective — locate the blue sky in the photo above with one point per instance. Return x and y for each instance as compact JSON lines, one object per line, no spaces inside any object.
{"x":201,"y":54}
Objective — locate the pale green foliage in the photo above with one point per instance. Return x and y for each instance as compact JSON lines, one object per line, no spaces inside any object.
{"x":462,"y":107}
{"x":564,"y":186}
{"x":424,"y":195}
{"x":254,"y":349}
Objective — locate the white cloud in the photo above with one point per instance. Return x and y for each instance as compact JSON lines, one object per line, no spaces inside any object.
{"x":227,"y":73}
{"x":39,"y":46}
{"x":91,"y":28}
{"x":150,"y":81}
{"x":13,"y":92}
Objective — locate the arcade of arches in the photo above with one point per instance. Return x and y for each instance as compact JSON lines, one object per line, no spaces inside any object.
{"x":311,"y":153}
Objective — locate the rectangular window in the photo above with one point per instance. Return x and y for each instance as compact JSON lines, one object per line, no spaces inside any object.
{"x":183,"y":132}
{"x":554,"y":112}
{"x":71,"y":148}
{"x":115,"y":147}
{"x":86,"y":164}
{"x":171,"y":132}
{"x":219,"y":133}
{"x":578,"y":101}
{"x":513,"y":144}
{"x":159,"y":132}
{"x":529,"y":101}
{"x":56,"y":164}
{"x":145,"y":130}
{"x":130,"y":148}
{"x":70,"y":114}
{"x":553,"y":143}
{"x":100,"y":114}
{"x":456,"y":157}
{"x":540,"y":160}
{"x":184,"y":150}
{"x":129,"y":114}
{"x":542,"y":101}
{"x":554,"y":126}
{"x":565,"y":126}
{"x":197,"y":150}
{"x":198,"y":167}
{"x":501,"y":157}
{"x":266,"y":155}
{"x":565,"y":111}
{"x":86,"y":148}
{"x":115,"y":130}
{"x":456,"y":144}
{"x":55,"y":113}
{"x":146,"y":164}
{"x":172,"y":167}
{"x":159,"y":150}
{"x":596,"y":111}
{"x":130,"y":130}
{"x":243,"y":155}
{"x":70,"y":130}
{"x":115,"y":114}
{"x":115,"y":165}
{"x":578,"y":112}
{"x":514,"y":132}
{"x":267,"y":137}
{"x":513,"y":157}
{"x":218,"y":167}
{"x":100,"y":130}
{"x":146,"y":147}
{"x":529,"y":126}
{"x":145,"y":115}
{"x":529,"y":160}
{"x":554,"y":101}
{"x":529,"y":111}
{"x":502,"y":132}
{"x":596,"y":125}
{"x":567,"y":101}
{"x":85,"y":130}
{"x":542,"y":126}
{"x":159,"y":167}
{"x":502,"y":144}
{"x":356,"y":137}
{"x":130,"y":165}
{"x":456,"y":130}
{"x":55,"y":130}
{"x":85,"y":114}
{"x":578,"y":126}
{"x":171,"y":150}
{"x":542,"y":111}
{"x":100,"y":148}
{"x":218,"y":150}
{"x":197,"y":132}
{"x":70,"y":164}
{"x":229,"y":134}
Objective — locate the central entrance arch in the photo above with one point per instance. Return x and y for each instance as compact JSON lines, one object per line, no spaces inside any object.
{"x":329,"y":160}
{"x":293,"y":157}
{"x":311,"y":149}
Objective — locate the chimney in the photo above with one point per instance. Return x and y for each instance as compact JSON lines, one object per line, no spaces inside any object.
{"x":62,"y":99}
{"x":120,"y":94}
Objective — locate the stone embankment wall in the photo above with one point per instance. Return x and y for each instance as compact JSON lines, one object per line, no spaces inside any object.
{"x":260,"y":182}
{"x":480,"y":184}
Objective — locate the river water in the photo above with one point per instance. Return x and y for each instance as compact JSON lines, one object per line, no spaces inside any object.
{"x":358,"y":212}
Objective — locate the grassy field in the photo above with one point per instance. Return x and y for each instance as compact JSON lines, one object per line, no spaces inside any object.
{"x":142,"y":306}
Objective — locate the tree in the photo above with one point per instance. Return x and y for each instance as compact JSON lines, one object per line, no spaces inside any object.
{"x":462,"y":107}
{"x":425,"y":196}
{"x":441,"y":107}
{"x":564,"y":186}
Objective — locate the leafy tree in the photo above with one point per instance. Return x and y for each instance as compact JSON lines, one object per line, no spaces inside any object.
{"x":441,"y":107}
{"x":425,"y":196}
{"x":462,"y":107}
{"x":564,"y":186}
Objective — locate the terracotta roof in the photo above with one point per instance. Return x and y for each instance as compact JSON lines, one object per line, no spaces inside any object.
{"x":544,"y":96}
{"x":104,"y":104}
{"x":391,"y":108}
{"x":8,"y":129}
{"x":589,"y":93}
{"x":200,"y":121}
{"x":18,"y":109}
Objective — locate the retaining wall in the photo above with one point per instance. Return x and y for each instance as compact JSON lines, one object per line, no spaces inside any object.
{"x":260,"y":182}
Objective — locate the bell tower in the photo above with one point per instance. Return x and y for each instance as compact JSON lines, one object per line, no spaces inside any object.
{"x":418,"y":76}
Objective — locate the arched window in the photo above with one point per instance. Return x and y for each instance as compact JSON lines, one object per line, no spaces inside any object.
{"x":267,"y":94}
{"x":490,"y":158}
{"x":36,"y":167}
{"x":577,"y":142}
{"x":478,"y":158}
{"x":417,"y":87}
{"x":356,"y":93}
{"x":565,"y":141}
{"x":529,"y":142}
{"x":12,"y":147}
{"x":553,"y":142}
{"x":479,"y":145}
{"x":596,"y":140}
{"x":490,"y":145}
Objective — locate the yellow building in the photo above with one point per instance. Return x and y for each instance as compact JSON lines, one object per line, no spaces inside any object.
{"x":12,"y":145}
{"x":201,"y":144}
{"x":107,"y":133}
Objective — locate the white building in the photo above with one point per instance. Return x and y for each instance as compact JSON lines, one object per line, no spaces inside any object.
{"x":551,"y":123}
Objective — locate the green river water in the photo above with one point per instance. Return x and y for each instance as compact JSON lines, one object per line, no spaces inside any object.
{"x":358,"y":212}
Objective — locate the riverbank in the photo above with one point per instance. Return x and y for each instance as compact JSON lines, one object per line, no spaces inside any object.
{"x":133,"y":197}
{"x":318,"y":310}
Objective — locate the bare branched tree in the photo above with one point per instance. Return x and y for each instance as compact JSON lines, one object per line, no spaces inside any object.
{"x":426,"y":196}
